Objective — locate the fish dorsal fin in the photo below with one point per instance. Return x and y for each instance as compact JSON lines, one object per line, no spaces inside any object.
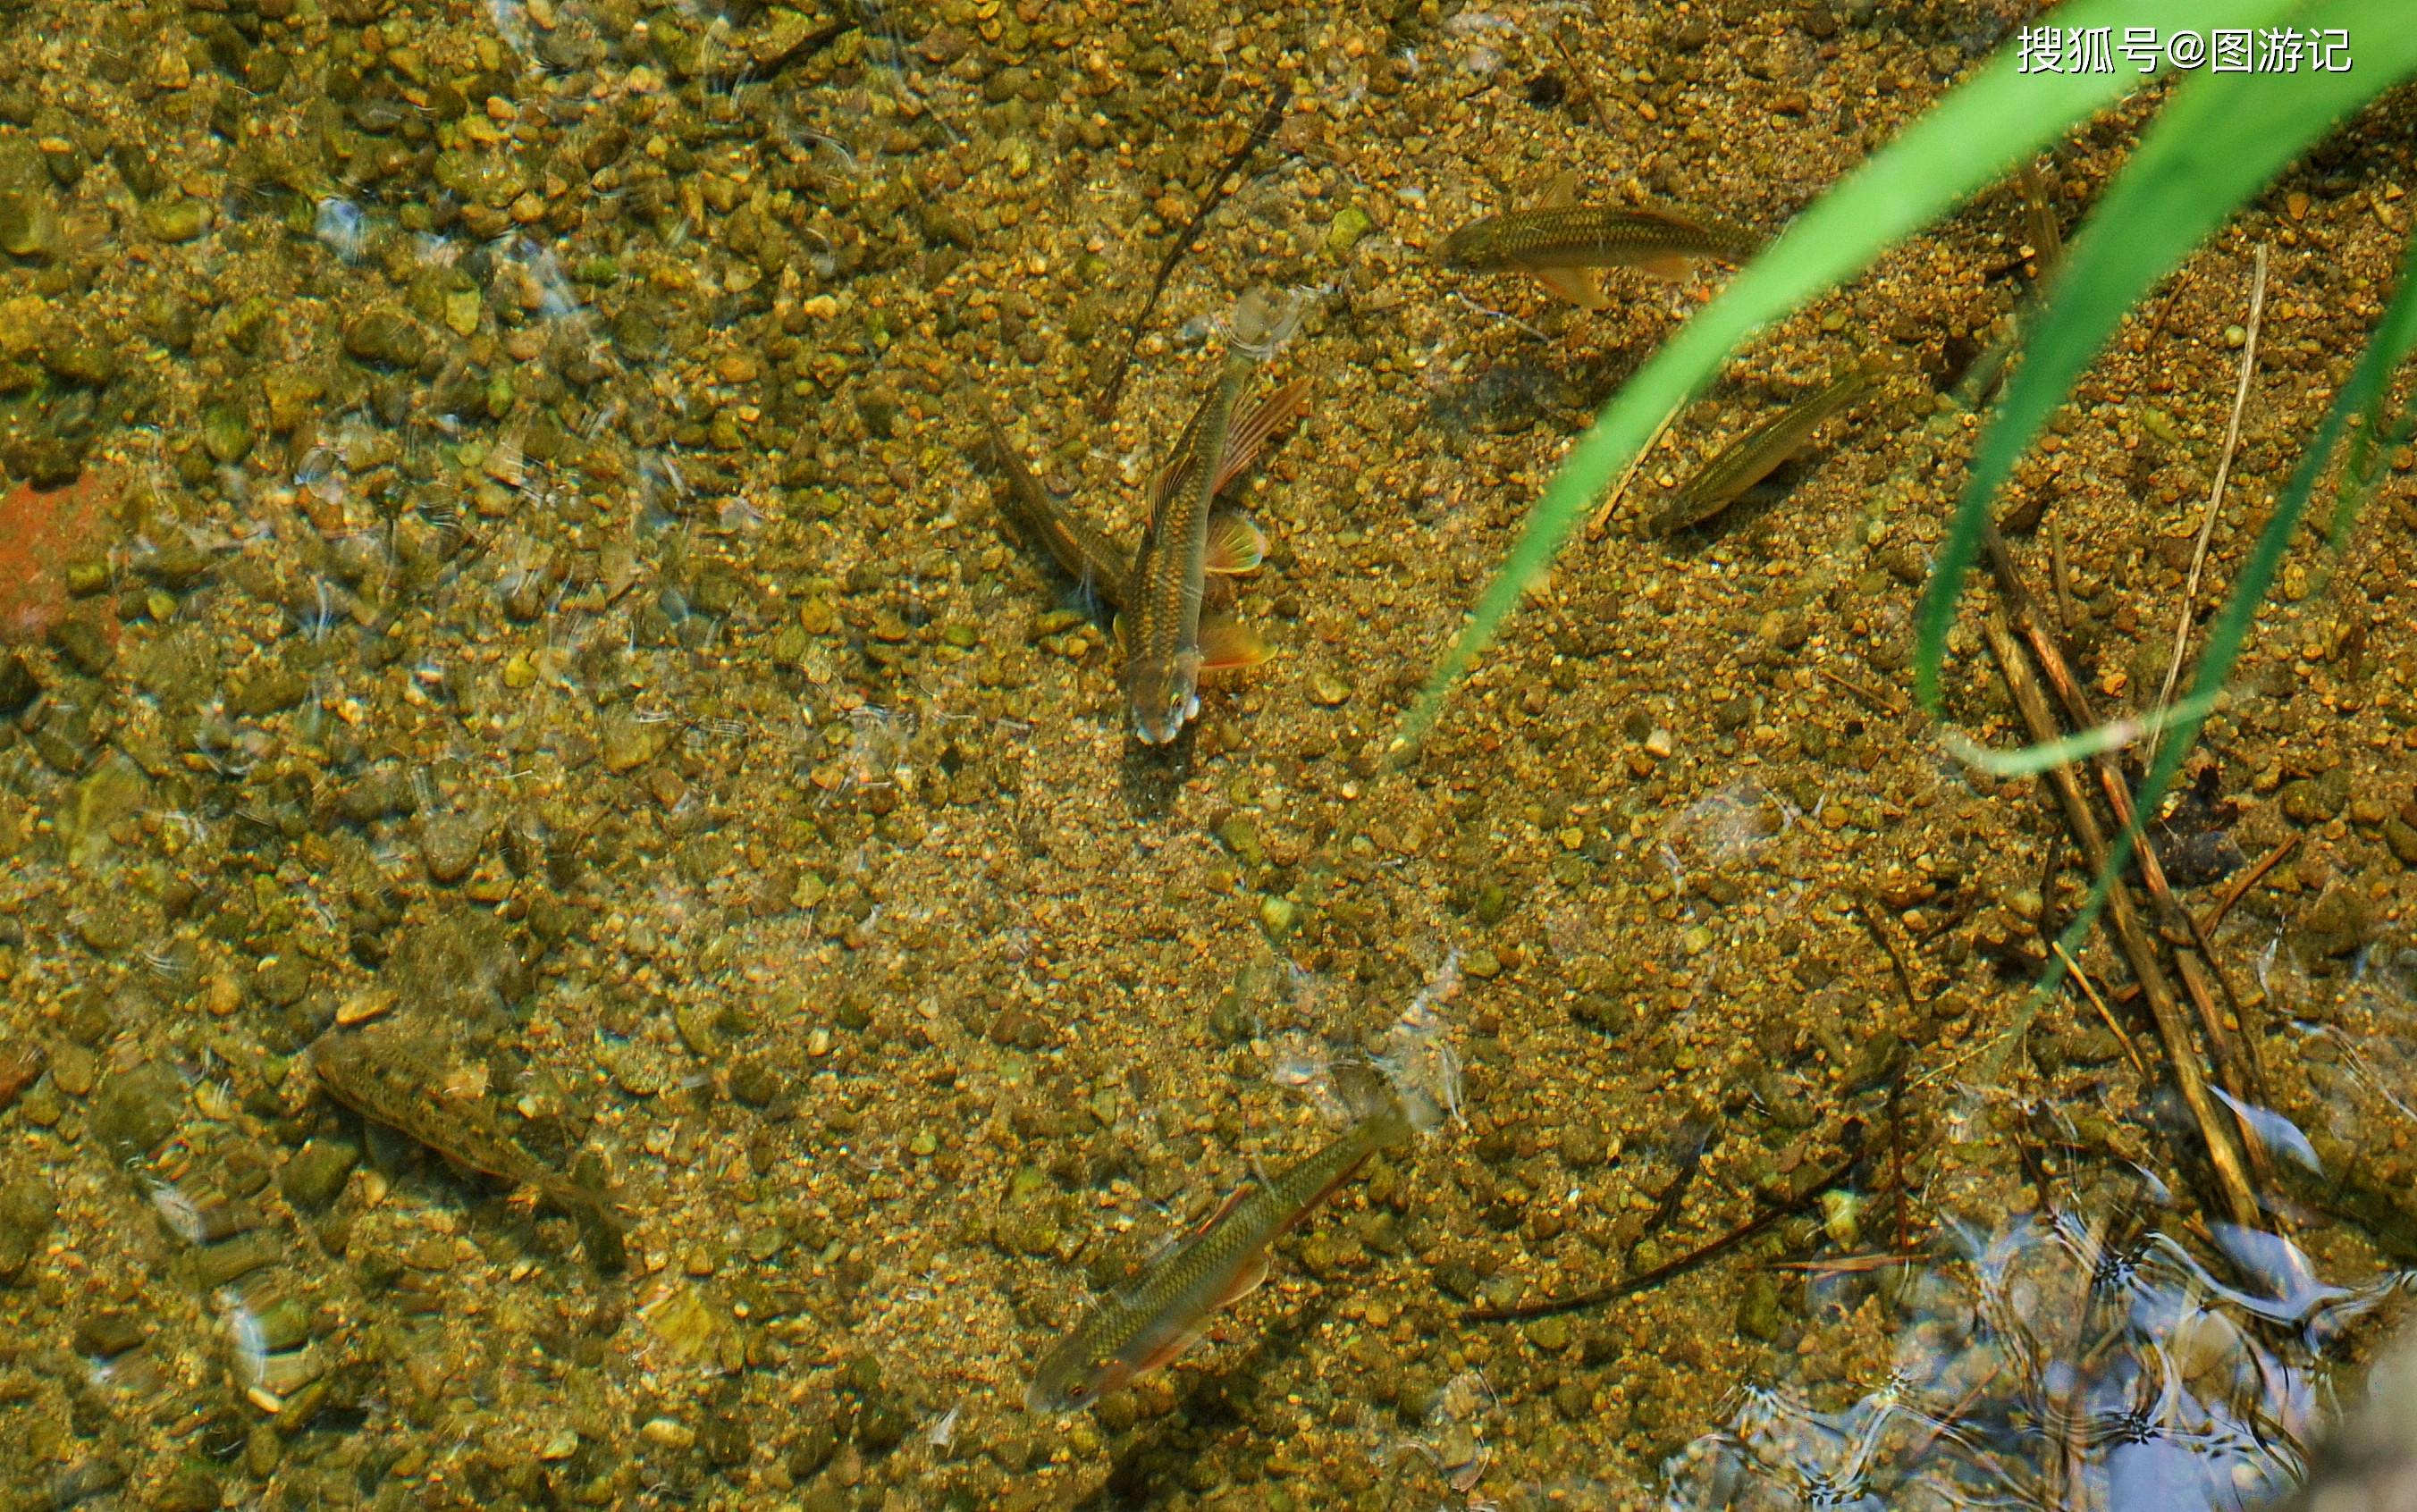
{"x":1235,"y":544}
{"x":1247,"y":437}
{"x":1560,"y":192}
{"x":1227,"y":644}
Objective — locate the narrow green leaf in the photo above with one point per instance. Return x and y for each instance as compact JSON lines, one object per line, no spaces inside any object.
{"x":2222,"y":138}
{"x":1972,"y":138}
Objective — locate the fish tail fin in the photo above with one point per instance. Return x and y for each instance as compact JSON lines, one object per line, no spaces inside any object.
{"x":1263,"y":321}
{"x":1389,"y":1108}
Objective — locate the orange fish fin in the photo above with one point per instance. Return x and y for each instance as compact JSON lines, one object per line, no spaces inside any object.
{"x":1227,"y":644}
{"x":1673,"y":267}
{"x":1235,"y":544}
{"x":1248,"y":436}
{"x":1580,"y":286}
{"x":1171,"y":1348}
{"x":1246,"y":1280}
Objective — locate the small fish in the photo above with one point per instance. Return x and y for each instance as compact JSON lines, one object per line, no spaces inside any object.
{"x":1755,"y":455}
{"x":1565,"y":245}
{"x":393,"y":1083}
{"x":1098,"y":565}
{"x":1166,"y":1308}
{"x":1081,"y":550}
{"x":1161,"y":626}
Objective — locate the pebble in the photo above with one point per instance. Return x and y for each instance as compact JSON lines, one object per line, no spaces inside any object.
{"x":317,"y":1172}
{"x":176,"y":219}
{"x":629,"y":742}
{"x":27,"y":1210}
{"x":450,"y":844}
{"x":1327,"y":689}
{"x":385,"y":337}
{"x":1343,"y":232}
{"x":29,"y":226}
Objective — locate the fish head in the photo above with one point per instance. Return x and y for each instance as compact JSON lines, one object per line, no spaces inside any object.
{"x":1074,"y":1376}
{"x":1162,"y":692}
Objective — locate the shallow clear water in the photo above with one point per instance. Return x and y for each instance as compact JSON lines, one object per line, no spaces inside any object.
{"x":502,"y":563}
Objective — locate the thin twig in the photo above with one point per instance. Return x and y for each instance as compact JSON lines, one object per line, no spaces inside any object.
{"x":2157,"y":327}
{"x":2239,"y":1066}
{"x":1270,"y":117}
{"x":2215,"y":495}
{"x":2242,"y":884}
{"x":1879,"y":702}
{"x":2239,"y":1201}
{"x":2105,"y":1014}
{"x":1659,"y":1273}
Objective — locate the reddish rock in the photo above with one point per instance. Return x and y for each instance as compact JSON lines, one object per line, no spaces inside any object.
{"x":40,"y":534}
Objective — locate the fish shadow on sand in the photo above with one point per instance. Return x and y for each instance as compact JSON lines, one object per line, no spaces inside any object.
{"x":1153,"y":1465}
{"x":1151,"y":776}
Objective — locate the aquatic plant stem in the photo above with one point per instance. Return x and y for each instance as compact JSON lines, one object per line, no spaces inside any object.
{"x":2238,"y":1202}
{"x":2216,"y":494}
{"x":1270,"y":117}
{"x":2239,"y":1066}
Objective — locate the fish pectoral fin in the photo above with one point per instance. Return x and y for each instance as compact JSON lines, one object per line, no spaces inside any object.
{"x":1172,"y":1348}
{"x":1246,"y":1280}
{"x":1235,"y":544}
{"x":1227,"y":644}
{"x":1247,"y":437}
{"x":1580,"y":286}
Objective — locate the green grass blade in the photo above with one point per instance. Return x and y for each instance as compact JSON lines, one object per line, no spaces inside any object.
{"x":2218,"y":143}
{"x":1975,"y":135}
{"x":2393,"y":339}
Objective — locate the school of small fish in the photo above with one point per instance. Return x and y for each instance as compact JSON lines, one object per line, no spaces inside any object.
{"x":1170,"y":633}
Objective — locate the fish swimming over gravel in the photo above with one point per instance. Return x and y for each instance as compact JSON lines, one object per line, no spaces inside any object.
{"x":1755,"y":455}
{"x":1101,"y":568}
{"x":1566,"y":246}
{"x":1161,"y":626}
{"x":1167,"y":1308}
{"x":1169,"y":631}
{"x":389,"y":1082}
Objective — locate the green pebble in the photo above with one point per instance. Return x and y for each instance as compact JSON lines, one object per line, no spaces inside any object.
{"x":385,"y":337}
{"x":176,"y":219}
{"x":226,"y":433}
{"x":1278,"y":914}
{"x":1758,"y":1314}
{"x":1549,"y":1335}
{"x":1349,"y":224}
{"x":81,"y":362}
{"x":1241,"y":837}
{"x":317,"y":1172}
{"x":86,"y":576}
{"x":29,"y":226}
{"x":84,"y":645}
